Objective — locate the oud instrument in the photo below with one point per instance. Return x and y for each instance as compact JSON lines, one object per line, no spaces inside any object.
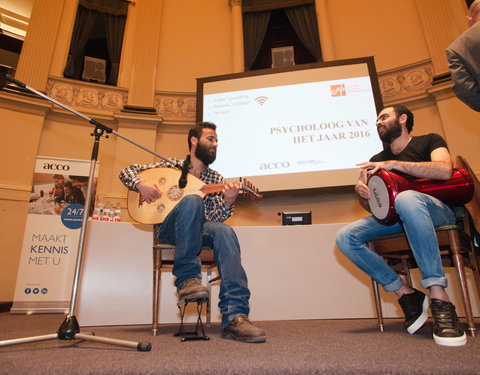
{"x":166,"y":179}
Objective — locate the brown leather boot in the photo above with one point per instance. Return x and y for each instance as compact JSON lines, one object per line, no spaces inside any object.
{"x":242,"y":329}
{"x":192,"y":290}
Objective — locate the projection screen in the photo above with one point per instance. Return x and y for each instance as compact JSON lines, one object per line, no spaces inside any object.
{"x":301,"y":128}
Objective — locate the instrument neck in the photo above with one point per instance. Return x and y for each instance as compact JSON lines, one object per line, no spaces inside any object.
{"x":212,"y":188}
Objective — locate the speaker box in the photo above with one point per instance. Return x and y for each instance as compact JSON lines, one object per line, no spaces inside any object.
{"x":296,"y":218}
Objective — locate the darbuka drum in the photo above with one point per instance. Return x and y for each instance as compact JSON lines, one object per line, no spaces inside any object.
{"x":386,"y":185}
{"x":383,"y":189}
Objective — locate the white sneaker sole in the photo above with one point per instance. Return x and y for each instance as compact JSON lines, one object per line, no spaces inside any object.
{"x":450,"y":341}
{"x":422,"y":319}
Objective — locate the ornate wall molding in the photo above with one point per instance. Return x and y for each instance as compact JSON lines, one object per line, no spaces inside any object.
{"x":173,"y":107}
{"x":406,"y":82}
{"x":176,"y":107}
{"x":86,"y":95}
{"x":179,"y":108}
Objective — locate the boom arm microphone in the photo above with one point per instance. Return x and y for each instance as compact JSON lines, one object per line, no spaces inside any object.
{"x":13,"y":80}
{"x":182,"y":182}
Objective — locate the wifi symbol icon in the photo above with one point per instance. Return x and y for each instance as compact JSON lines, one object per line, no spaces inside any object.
{"x":261,"y":100}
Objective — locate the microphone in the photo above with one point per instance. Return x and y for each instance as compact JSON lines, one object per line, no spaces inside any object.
{"x":182,"y":182}
{"x":13,"y":80}
{"x":3,"y":73}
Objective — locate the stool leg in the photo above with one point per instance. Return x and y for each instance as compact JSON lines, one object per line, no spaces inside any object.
{"x":157,"y":253}
{"x":199,"y":320}
{"x":193,"y":335}
{"x":462,"y":279}
{"x":378,"y":305}
{"x":181,"y":330}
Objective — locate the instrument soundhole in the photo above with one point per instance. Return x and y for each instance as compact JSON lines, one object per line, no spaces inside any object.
{"x":174,"y":193}
{"x":162,"y":180}
{"x":161,"y":207}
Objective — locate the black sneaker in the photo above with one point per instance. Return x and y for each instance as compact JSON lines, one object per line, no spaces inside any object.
{"x":414,"y":306}
{"x":192,"y":290}
{"x":446,"y":327}
{"x":242,"y":329}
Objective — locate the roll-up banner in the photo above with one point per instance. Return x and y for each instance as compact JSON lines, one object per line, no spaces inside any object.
{"x":52,"y":232}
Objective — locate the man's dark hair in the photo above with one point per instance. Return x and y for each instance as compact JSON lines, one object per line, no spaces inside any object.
{"x":400,"y":109}
{"x":196,"y":131}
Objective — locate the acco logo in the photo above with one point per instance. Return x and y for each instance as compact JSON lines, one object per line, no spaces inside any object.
{"x":56,"y":167}
{"x":338,"y":90}
{"x":274,"y":165}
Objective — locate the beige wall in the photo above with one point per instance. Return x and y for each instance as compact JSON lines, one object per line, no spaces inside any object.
{"x":389,"y":30}
{"x":195,"y":41}
{"x":18,"y":149}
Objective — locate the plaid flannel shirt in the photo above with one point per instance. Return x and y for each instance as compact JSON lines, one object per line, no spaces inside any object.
{"x":215,"y":207}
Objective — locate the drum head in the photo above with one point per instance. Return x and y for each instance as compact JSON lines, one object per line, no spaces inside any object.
{"x":380,"y":201}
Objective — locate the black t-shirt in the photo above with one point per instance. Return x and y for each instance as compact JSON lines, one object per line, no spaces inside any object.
{"x":417,"y":150}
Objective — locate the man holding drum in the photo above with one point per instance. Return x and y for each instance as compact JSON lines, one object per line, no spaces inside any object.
{"x":412,"y":157}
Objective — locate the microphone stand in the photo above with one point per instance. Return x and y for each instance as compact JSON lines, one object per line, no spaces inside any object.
{"x":70,"y":329}
{"x":182,"y":182}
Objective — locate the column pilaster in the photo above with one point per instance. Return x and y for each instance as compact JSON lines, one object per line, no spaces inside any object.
{"x":238,"y":61}
{"x":63,"y":38}
{"x":144,"y":57}
{"x":326,"y":41}
{"x":39,"y":45}
{"x":440,"y":29}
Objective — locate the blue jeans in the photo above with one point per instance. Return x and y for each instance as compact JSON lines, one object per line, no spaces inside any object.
{"x":186,"y":228}
{"x":419,"y":213}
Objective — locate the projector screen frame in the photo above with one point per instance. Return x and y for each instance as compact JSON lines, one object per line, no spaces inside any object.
{"x":372,"y":73}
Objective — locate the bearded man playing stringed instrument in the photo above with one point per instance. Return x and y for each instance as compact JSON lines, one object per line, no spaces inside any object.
{"x":413,"y":157}
{"x":195,"y":222}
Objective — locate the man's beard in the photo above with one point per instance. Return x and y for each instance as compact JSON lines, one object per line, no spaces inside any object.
{"x":202,"y":153}
{"x":391,"y":133}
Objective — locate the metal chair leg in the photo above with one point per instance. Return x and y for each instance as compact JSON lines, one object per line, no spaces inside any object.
{"x":462,"y":279}
{"x":406,"y":270}
{"x":474,"y":263}
{"x":209,"y":303}
{"x":378,"y":305}
{"x":157,"y":275}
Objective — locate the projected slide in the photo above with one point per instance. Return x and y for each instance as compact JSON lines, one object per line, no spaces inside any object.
{"x":294,"y":124}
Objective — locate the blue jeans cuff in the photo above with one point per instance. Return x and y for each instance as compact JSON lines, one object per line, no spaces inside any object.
{"x":391,"y":287}
{"x":440,"y":281}
{"x":230,"y":318}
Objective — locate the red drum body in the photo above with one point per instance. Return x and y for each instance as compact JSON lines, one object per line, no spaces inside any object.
{"x":384,"y":189}
{"x":385,"y":185}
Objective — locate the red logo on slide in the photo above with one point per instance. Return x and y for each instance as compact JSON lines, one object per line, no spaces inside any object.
{"x":338,"y":90}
